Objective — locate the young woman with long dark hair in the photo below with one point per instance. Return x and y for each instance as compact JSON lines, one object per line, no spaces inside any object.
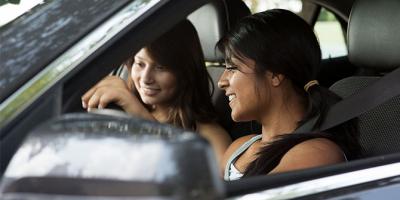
{"x":272,"y":60}
{"x":172,"y":86}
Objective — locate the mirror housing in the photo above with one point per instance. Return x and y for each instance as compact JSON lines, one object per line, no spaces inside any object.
{"x":86,"y":155}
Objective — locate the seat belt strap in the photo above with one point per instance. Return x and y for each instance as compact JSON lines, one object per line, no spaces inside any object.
{"x":365,"y":100}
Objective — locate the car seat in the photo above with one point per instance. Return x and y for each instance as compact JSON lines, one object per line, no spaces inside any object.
{"x":211,"y":22}
{"x":374,"y":43}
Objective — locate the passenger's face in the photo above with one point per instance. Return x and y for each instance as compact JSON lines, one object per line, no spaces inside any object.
{"x":240,"y":82}
{"x":156,"y":84}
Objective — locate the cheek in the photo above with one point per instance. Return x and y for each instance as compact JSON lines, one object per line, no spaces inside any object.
{"x":252,"y":94}
{"x":263,"y":97}
{"x":246,"y":85}
{"x":172,"y":87}
{"x":136,"y":73}
{"x":135,"y":79}
{"x":167,"y":82}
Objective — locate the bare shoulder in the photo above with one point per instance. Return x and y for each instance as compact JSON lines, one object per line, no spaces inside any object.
{"x":234,"y":146}
{"x":239,"y":142}
{"x":321,"y":145}
{"x":217,"y":137}
{"x":213,"y":131}
{"x":311,"y":153}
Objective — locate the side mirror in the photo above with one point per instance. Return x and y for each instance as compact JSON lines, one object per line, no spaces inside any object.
{"x":89,"y":155}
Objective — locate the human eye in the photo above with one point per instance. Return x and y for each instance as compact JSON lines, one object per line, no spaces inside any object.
{"x":231,"y":67}
{"x":139,"y":64}
{"x":160,"y":67}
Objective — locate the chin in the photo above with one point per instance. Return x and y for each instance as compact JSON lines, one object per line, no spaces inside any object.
{"x":236,"y":118}
{"x":148,"y":101}
{"x":240,"y":117}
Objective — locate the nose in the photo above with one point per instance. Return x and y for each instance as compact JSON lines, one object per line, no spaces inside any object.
{"x":223,"y":81}
{"x":147,"y":75}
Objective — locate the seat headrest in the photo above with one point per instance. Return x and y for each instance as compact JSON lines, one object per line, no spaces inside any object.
{"x":211,"y":24}
{"x":374,"y":34}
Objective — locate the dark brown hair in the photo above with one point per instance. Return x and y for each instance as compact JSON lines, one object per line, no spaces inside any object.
{"x":281,"y":42}
{"x":180,"y":51}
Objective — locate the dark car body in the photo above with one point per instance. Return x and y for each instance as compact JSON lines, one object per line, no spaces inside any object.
{"x":50,"y":56}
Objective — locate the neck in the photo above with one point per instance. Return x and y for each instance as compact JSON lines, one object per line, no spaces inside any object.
{"x":160,"y":113}
{"x":282,"y":116}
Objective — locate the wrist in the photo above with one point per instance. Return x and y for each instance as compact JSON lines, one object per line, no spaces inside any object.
{"x":141,"y":112}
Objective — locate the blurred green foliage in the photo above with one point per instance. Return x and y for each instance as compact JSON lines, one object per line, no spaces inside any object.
{"x":325,"y":15}
{"x":2,"y":2}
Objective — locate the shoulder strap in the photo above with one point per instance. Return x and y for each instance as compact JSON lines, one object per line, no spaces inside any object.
{"x":366,"y":99}
{"x":239,"y":151}
{"x":308,"y":126}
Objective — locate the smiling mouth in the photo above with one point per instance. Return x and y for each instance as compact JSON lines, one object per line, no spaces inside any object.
{"x":231,"y":97}
{"x":150,"y":91}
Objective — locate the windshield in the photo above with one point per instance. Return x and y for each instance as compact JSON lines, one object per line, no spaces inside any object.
{"x":12,"y":9}
{"x":34,"y":39}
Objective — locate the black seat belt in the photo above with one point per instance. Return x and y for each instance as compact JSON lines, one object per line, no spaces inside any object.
{"x":365,"y":100}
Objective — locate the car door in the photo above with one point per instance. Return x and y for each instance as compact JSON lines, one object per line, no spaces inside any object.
{"x":52,"y":54}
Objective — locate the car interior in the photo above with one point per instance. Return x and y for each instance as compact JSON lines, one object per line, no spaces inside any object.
{"x":372,"y":53}
{"x":344,"y":81}
{"x":379,"y":127}
{"x":226,"y":15}
{"x":344,"y":75}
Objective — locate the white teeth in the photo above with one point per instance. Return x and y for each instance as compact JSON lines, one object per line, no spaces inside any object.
{"x":231,"y":97}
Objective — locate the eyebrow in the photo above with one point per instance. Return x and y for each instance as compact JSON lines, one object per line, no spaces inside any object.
{"x":151,"y":62}
{"x":138,"y":57}
{"x":143,"y":59}
{"x":235,"y":60}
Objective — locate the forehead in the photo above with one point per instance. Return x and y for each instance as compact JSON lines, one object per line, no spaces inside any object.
{"x":241,"y":62}
{"x":143,"y":54}
{"x":233,"y":55}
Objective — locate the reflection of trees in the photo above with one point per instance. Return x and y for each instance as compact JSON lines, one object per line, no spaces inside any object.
{"x":326,"y":16}
{"x":261,"y":5}
{"x":253,"y":4}
{"x":2,"y":2}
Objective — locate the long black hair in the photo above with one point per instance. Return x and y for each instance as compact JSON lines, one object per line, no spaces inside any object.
{"x":281,"y":42}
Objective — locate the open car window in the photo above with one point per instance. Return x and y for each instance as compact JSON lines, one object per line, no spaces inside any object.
{"x":330,"y":35}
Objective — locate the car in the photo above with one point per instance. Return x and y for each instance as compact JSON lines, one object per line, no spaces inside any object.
{"x":52,"y":149}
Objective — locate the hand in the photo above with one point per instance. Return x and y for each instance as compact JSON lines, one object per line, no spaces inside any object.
{"x":113,"y":89}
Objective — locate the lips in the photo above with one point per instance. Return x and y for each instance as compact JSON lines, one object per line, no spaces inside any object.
{"x":150,"y":91}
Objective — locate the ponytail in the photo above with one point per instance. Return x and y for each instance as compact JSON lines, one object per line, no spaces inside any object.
{"x":319,"y":101}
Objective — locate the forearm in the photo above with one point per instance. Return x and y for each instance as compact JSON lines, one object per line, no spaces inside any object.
{"x":139,"y":111}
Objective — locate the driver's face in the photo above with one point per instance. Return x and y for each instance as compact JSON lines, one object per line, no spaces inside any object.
{"x":156,"y":84}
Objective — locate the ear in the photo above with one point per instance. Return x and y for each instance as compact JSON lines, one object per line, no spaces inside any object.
{"x":276,"y":79}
